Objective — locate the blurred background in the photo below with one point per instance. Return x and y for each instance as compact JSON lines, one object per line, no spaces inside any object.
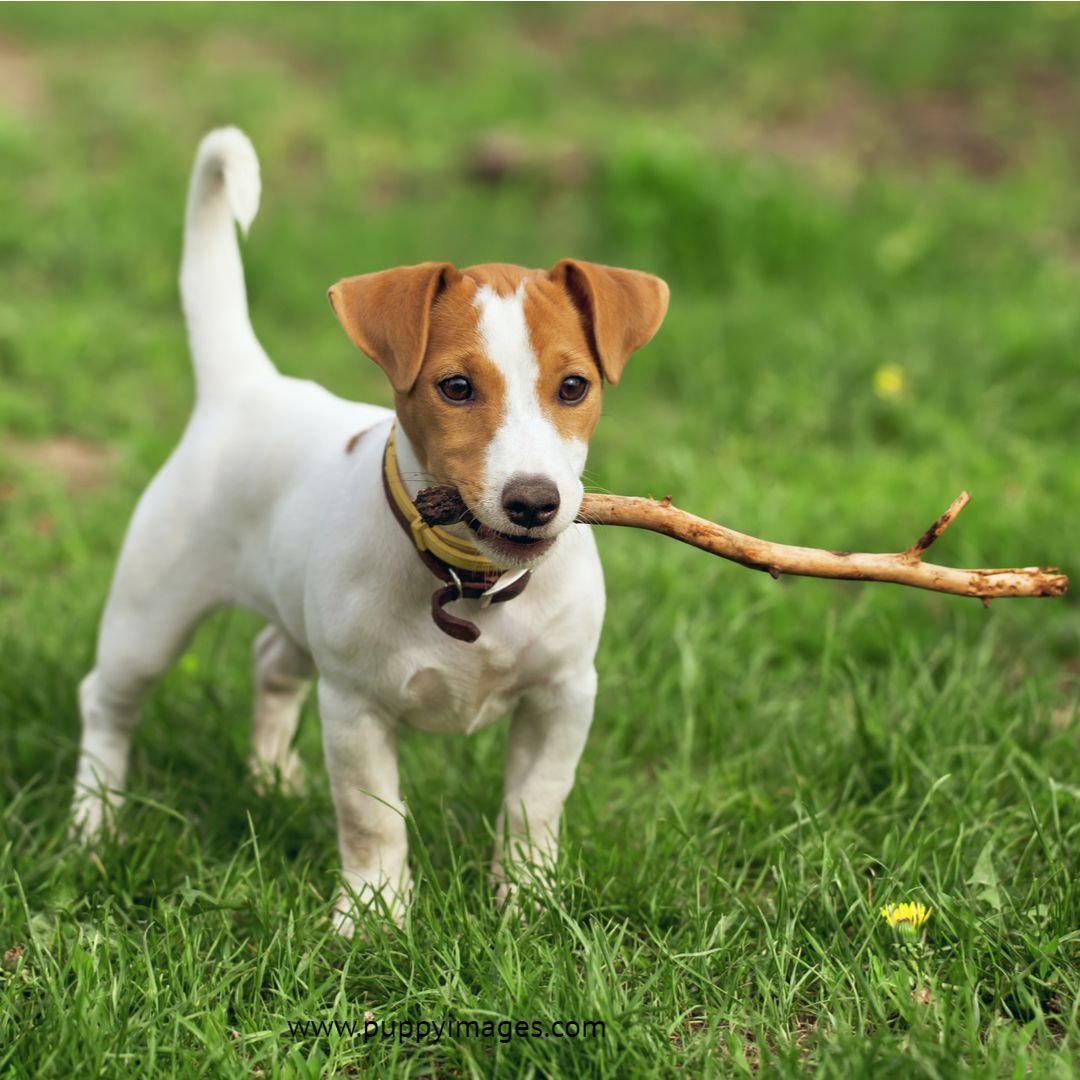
{"x":870,"y":221}
{"x":868,"y":218}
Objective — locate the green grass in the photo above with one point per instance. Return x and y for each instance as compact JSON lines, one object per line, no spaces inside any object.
{"x":828,"y":191}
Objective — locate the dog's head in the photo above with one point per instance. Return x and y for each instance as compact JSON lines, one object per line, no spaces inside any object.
{"x":497,"y":374}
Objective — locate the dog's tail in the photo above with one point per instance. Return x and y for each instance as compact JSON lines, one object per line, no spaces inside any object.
{"x":224,"y":190}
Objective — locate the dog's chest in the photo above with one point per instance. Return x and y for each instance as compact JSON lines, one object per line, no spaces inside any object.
{"x":465,"y":694}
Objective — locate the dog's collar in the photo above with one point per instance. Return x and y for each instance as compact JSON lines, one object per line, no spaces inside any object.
{"x":455,"y":561}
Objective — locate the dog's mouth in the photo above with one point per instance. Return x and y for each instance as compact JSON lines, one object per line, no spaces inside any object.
{"x":517,"y":547}
{"x":443,"y":505}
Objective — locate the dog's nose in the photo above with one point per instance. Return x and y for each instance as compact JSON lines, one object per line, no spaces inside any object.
{"x":530,"y":501}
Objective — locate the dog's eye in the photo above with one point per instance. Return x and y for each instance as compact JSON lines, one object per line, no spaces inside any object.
{"x":573,"y":389}
{"x":456,"y":389}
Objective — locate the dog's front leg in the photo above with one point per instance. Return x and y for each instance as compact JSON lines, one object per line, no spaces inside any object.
{"x":361,"y":759}
{"x":547,"y":736}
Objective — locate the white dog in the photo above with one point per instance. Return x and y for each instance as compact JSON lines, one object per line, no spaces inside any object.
{"x":286,"y":500}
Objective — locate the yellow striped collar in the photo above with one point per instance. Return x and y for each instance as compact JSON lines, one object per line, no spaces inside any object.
{"x":462,"y":554}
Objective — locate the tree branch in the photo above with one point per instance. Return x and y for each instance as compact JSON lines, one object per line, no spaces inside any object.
{"x":442,"y":506}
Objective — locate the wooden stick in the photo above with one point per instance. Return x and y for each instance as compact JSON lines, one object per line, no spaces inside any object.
{"x":443,"y":506}
{"x":901,"y":568}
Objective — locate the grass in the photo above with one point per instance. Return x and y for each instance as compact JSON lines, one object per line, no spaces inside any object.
{"x":830,"y":192}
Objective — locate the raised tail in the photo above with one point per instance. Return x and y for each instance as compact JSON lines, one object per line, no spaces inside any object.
{"x":224,"y":192}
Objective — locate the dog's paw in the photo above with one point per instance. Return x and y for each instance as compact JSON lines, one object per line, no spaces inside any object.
{"x":361,"y":905}
{"x":525,"y":889}
{"x":93,"y":816}
{"x":290,"y":778}
{"x":506,"y":895}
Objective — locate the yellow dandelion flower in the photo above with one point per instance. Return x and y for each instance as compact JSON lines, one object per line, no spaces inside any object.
{"x":906,"y":916}
{"x":888,"y":381}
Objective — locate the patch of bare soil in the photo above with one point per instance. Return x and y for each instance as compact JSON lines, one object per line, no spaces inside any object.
{"x":497,"y":157}
{"x":581,"y":24}
{"x":946,"y":127}
{"x":22,"y":90}
{"x":239,"y":51}
{"x":853,"y":127}
{"x":80,"y":463}
{"x":844,"y":128}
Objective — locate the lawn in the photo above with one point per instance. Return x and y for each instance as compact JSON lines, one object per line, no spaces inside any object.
{"x":870,"y":223}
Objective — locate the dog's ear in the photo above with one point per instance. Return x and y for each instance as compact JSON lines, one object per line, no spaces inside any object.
{"x":387,"y":315}
{"x":620,"y":309}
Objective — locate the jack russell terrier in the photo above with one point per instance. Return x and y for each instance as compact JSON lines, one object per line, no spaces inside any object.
{"x":291,"y":502}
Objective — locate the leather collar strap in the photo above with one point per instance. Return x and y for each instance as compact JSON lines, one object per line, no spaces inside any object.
{"x":466,"y":573}
{"x":455,"y":551}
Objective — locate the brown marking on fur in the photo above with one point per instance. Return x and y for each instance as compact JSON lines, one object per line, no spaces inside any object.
{"x":562,"y":348}
{"x":451,"y":440}
{"x":350,"y":446}
{"x":502,"y":278}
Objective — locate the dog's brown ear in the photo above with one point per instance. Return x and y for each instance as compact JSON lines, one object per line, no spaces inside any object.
{"x":620,"y":309}
{"x":387,"y":315}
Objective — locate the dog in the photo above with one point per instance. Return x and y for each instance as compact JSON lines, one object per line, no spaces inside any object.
{"x":295,"y":504}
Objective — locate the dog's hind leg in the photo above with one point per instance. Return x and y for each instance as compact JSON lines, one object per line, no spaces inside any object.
{"x":164,"y":584}
{"x":136,"y":645}
{"x":283,"y":674}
